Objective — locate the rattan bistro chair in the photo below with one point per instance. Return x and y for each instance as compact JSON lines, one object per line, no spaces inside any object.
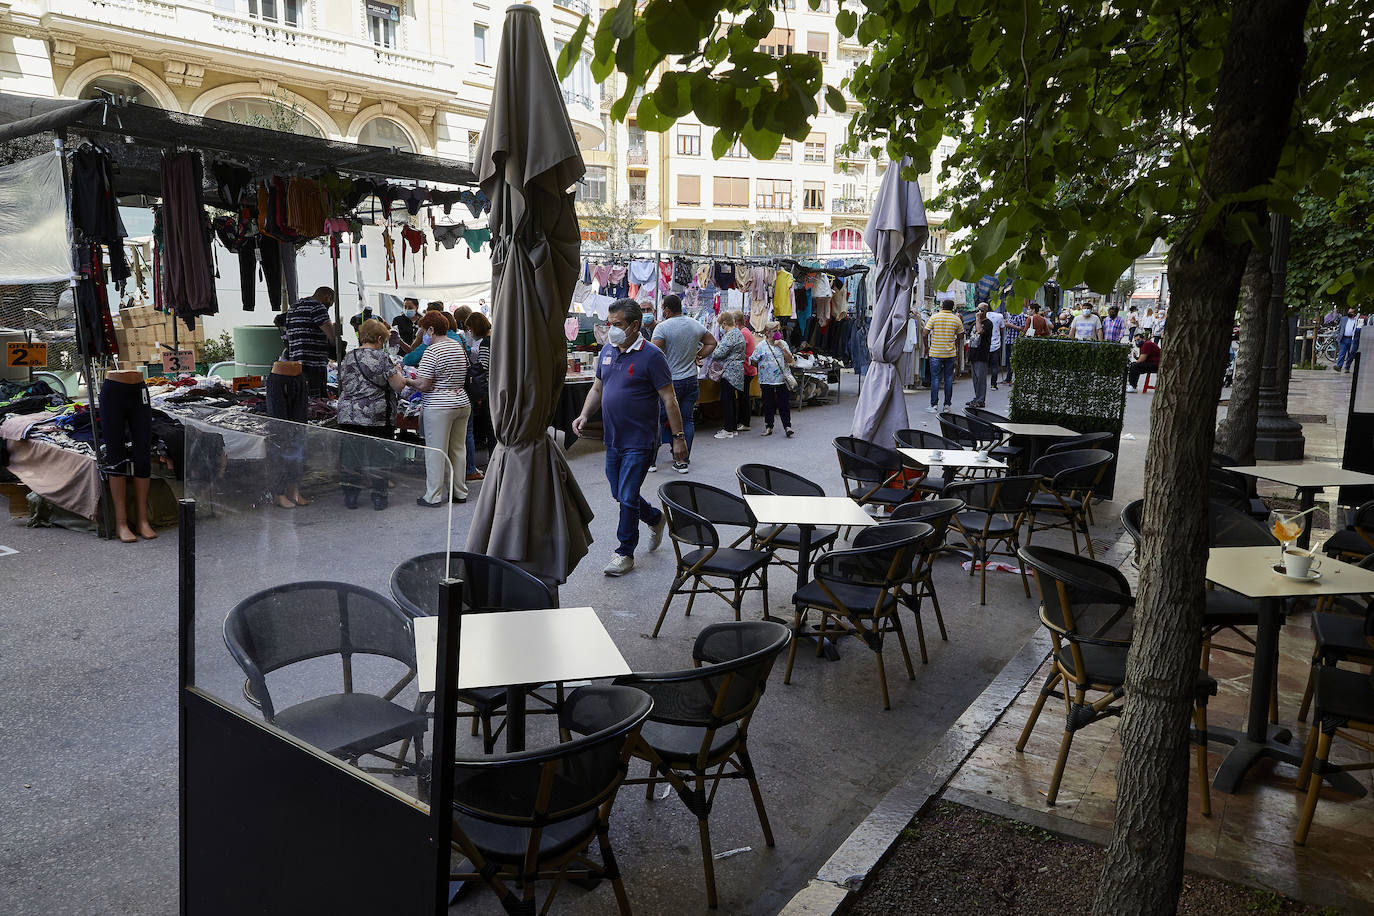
{"x":859,"y":592}
{"x":938,"y":513}
{"x":1087,"y":607}
{"x":766,"y":480}
{"x":280,"y":626}
{"x":695,"y":511}
{"x":697,"y":734}
{"x":532,"y":816}
{"x":1355,"y":541}
{"x":489,"y":584}
{"x":991,"y":523}
{"x":872,"y":473}
{"x":1068,"y":480}
{"x":1338,"y":636}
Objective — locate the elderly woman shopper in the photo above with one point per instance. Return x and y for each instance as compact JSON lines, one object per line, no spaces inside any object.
{"x":729,"y":355}
{"x":444,"y":412}
{"x":772,"y":357}
{"x":368,"y":383}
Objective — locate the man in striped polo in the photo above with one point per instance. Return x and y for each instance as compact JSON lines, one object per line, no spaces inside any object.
{"x":944,"y":331}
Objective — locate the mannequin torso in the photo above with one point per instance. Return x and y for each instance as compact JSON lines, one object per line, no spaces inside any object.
{"x":125,"y":376}
{"x":286,"y":367}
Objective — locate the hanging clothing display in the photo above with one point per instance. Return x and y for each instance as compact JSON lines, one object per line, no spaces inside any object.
{"x":190,"y":288}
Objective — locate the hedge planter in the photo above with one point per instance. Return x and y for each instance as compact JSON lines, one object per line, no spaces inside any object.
{"x":1073,"y":383}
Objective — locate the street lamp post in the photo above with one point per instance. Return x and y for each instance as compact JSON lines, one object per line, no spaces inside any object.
{"x":1278,"y":437}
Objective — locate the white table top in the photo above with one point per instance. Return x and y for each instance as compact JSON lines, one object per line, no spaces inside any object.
{"x":514,"y":648}
{"x":954,"y":458}
{"x":1306,"y":474}
{"x":808,"y":510}
{"x":1034,"y":429}
{"x":1249,"y":571}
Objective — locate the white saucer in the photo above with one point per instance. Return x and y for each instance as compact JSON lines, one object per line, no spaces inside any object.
{"x":1312,"y":574}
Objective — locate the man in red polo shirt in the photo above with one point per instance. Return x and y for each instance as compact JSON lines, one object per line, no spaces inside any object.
{"x":1149,"y":360}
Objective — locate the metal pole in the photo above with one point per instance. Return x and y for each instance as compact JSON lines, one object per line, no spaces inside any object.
{"x":338,"y":322}
{"x":1277,"y":436}
{"x":441,"y":773}
{"x":186,"y":665}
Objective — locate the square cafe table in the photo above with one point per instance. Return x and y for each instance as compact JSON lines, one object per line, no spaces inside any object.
{"x":1249,"y":572}
{"x":808,"y":512}
{"x":1037,"y":433}
{"x":522,"y":649}
{"x":962,"y":458}
{"x":1308,"y":477}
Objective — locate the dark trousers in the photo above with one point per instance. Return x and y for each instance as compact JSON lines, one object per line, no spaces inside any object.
{"x":315,"y":380}
{"x":248,"y":274}
{"x":126,"y":427}
{"x":1139,"y":369}
{"x":626,"y":469}
{"x":734,"y":405}
{"x":287,"y":399}
{"x":363,"y":457}
{"x":270,"y":252}
{"x":777,"y":397}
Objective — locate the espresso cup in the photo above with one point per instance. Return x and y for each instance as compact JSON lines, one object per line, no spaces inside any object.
{"x":982,"y":455}
{"x":936,"y":455}
{"x":1299,"y":563}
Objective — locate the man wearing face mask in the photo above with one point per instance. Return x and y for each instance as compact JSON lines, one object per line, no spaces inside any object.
{"x":405,"y":324}
{"x":631,"y":380}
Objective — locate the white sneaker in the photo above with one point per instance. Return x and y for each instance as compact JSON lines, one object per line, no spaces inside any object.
{"x":932,"y":409}
{"x":619,"y":565}
{"x":1131,"y":389}
{"x":652,"y":468}
{"x":725,"y":434}
{"x":656,"y":531}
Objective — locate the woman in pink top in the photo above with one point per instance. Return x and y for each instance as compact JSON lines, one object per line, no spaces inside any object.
{"x":750,"y":369}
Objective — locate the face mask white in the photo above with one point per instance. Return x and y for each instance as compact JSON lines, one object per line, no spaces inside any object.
{"x":410,"y":313}
{"x":615,"y":336}
{"x":426,"y":338}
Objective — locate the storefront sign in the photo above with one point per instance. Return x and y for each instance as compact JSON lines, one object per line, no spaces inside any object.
{"x":179,"y":361}
{"x":29,"y":355}
{"x":383,"y":10}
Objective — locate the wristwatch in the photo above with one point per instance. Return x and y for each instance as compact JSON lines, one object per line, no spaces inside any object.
{"x":679,"y":435}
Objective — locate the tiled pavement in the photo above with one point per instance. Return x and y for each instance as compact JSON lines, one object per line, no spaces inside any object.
{"x":1249,"y":836}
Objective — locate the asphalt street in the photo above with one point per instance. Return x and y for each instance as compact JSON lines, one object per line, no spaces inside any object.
{"x":88,"y":669}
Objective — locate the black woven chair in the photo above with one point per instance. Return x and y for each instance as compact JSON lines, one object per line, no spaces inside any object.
{"x":766,"y":480}
{"x":532,"y":816}
{"x":1082,"y":441}
{"x":489,"y":584}
{"x":1236,"y":491}
{"x":280,"y":626}
{"x":700,"y":722}
{"x":919,"y":438}
{"x":872,"y":473}
{"x":695,"y":512}
{"x":938,"y":513}
{"x":968,"y":432}
{"x":1355,"y":541}
{"x":985,"y":424}
{"x":1068,"y":480}
{"x":859,"y":592}
{"x":1338,"y":636}
{"x":991,"y":523}
{"x":1087,"y":607}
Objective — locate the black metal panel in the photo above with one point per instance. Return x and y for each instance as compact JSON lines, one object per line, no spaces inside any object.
{"x":269,"y":827}
{"x":1358,"y":454}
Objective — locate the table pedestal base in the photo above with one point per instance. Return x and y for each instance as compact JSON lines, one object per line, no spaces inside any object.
{"x":1276,"y":747}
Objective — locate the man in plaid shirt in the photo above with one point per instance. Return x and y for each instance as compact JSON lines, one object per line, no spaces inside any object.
{"x":1114,"y":327}
{"x":1012,"y":329}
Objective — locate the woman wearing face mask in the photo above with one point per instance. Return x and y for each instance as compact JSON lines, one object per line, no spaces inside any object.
{"x":407,"y":331}
{"x":772,"y":357}
{"x":730,"y":354}
{"x":444,"y":415}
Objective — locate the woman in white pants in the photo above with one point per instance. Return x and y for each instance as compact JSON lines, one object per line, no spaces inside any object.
{"x":444,"y":413}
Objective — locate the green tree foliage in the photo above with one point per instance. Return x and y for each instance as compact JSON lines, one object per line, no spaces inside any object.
{"x":1332,"y":239}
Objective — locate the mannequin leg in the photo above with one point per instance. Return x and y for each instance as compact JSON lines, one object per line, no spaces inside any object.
{"x":145,"y":530}
{"x":118,"y":495}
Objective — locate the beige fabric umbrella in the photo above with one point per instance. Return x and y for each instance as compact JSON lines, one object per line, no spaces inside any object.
{"x":531,"y":510}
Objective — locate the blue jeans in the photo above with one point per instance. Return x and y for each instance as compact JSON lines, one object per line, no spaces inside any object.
{"x":1346,"y":352}
{"x":687,"y":390}
{"x":626,"y":469}
{"x":941,"y":367}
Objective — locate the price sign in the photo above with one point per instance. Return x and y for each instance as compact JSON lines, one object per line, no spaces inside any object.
{"x":180,"y":361}
{"x":29,"y":355}
{"x":247,"y":382}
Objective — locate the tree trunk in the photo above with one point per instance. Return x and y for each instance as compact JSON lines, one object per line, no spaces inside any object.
{"x":1236,"y":434}
{"x":1252,"y":109}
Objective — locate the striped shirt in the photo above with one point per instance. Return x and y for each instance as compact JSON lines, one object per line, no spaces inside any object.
{"x":305,"y":340}
{"x":446,"y":363}
{"x":944,"y":328}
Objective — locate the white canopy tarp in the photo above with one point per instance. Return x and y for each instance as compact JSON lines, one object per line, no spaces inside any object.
{"x":34,"y":234}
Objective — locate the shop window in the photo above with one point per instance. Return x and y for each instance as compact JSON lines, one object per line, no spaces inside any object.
{"x":385,"y":132}
{"x":479,"y":43}
{"x":689,"y":140}
{"x":382,"y":20}
{"x":684,"y":239}
{"x":725,"y":243}
{"x":592,"y":187}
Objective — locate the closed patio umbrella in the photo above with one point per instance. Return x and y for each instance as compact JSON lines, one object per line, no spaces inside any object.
{"x":896,"y":233}
{"x":530,"y":510}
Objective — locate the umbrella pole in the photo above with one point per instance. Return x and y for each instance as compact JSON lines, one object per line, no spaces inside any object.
{"x":338,"y":322}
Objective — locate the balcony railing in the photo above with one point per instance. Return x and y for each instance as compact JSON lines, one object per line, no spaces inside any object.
{"x":851,"y":205}
{"x":577,"y":6}
{"x":578,"y":98}
{"x":637,"y":155}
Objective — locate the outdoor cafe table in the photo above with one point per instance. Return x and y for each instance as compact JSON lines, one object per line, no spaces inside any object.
{"x":1249,"y":571}
{"x":522,"y":649}
{"x":807,"y":512}
{"x":963,"y":458}
{"x":1308,"y":477}
{"x":1036,"y":432}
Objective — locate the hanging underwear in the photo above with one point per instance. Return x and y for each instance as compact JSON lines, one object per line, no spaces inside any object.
{"x":476,"y":238}
{"x":414,"y":239}
{"x":333,"y":226}
{"x":477,"y":202}
{"x":336,"y":189}
{"x":446,"y":199}
{"x":231,"y":180}
{"x":390,"y":245}
{"x":352,"y":196}
{"x":388,"y":194}
{"x":413,"y":198}
{"x":448,"y":236}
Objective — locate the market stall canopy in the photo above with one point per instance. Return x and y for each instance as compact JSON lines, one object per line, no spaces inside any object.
{"x":137,"y":134}
{"x":896,"y":233}
{"x":531,"y":510}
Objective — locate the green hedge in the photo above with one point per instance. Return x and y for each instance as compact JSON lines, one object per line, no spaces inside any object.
{"x":1078,"y":384}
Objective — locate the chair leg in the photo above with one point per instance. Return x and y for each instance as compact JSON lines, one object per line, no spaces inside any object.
{"x":653,"y":781}
{"x":1035,"y":712}
{"x":1203,"y":784}
{"x":763,"y":586}
{"x":739,"y":599}
{"x":1015,"y":552}
{"x":667,"y":601}
{"x":983,"y":583}
{"x":704,"y":831}
{"x":692,"y":596}
{"x":748,"y":766}
{"x":1311,"y":768}
{"x":612,"y":867}
{"x":1064,"y":744}
{"x":882,"y":676}
{"x":901,"y":641}
{"x":939,"y":618}
{"x":920,"y":632}
{"x":1073,"y":533}
{"x":820,"y":634}
{"x":1088,"y":537}
{"x":1307,"y":691}
{"x":798,"y":618}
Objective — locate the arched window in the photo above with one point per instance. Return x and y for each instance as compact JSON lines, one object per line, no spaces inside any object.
{"x":273,"y":114}
{"x":846,"y":240}
{"x":385,"y":132}
{"x":106,"y":86}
